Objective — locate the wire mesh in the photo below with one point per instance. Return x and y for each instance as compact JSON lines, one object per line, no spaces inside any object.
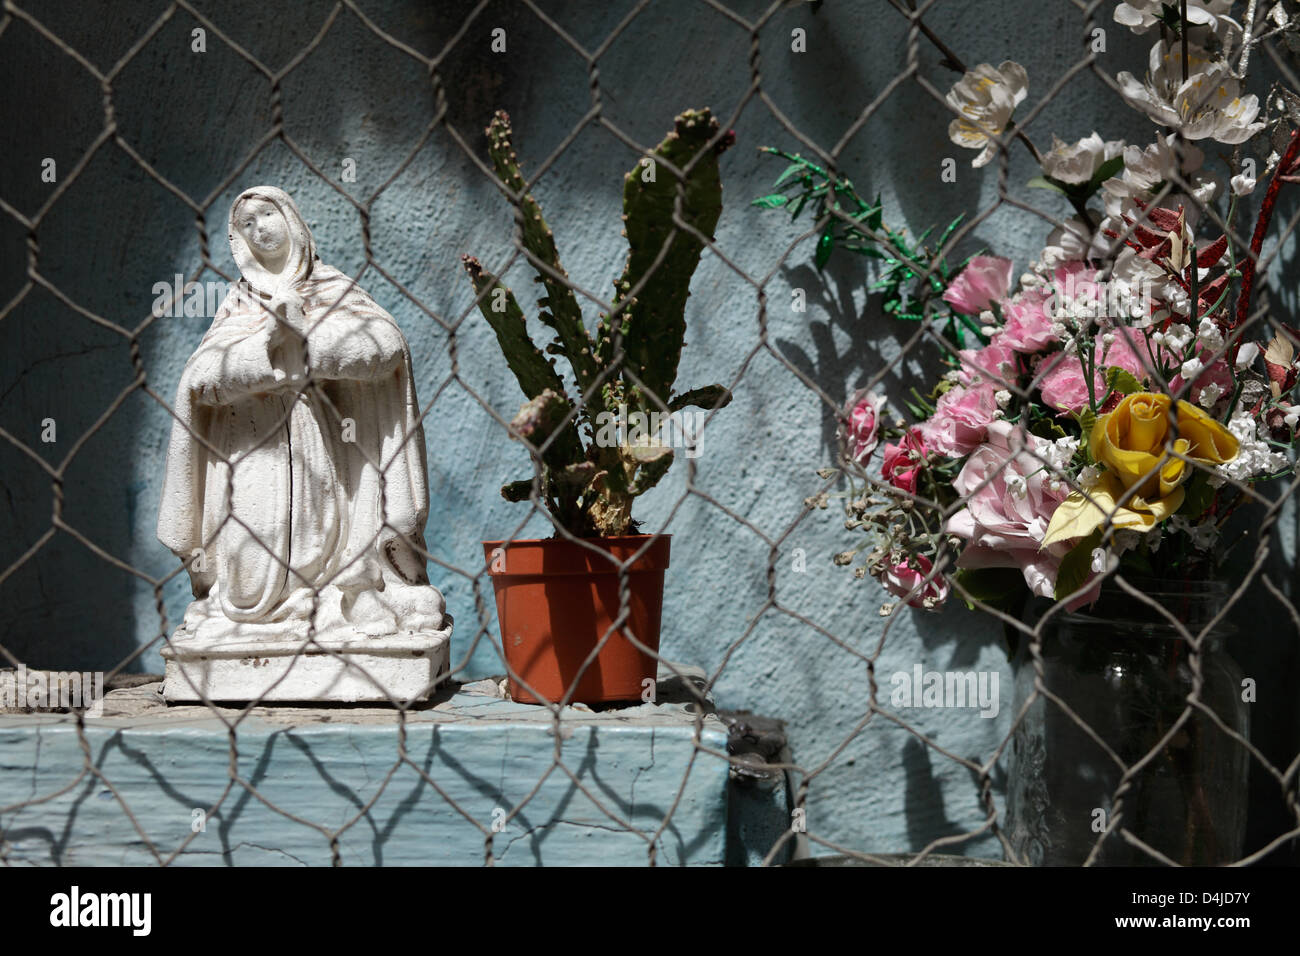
{"x":1266,"y":40}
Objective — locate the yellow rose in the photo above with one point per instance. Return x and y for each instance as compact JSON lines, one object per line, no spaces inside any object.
{"x":1133,"y":443}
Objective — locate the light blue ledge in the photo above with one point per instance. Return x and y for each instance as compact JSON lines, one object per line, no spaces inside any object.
{"x":331,"y":769}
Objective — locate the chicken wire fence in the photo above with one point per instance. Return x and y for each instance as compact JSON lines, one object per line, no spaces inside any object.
{"x":1264,"y":38}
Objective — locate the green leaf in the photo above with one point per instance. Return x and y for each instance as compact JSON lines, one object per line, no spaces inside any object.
{"x":1076,"y":566}
{"x":1122,"y":381}
{"x":1137,"y":562}
{"x":864,"y":250}
{"x":1105,"y":171}
{"x":1042,"y":182}
{"x":1198,"y":497}
{"x":792,"y":168}
{"x":1046,"y":428}
{"x":874,"y":220}
{"x":997,"y":587}
{"x":943,"y":239}
{"x":774,"y":201}
{"x":824,"y":246}
{"x":1086,"y":419}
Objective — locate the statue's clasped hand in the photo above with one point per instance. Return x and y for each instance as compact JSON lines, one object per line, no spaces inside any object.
{"x":287,"y":345}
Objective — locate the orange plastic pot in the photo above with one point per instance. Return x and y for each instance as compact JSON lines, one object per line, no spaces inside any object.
{"x":556,"y":599}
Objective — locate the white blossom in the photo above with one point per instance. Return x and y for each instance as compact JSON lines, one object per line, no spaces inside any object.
{"x":1060,"y":453}
{"x":1203,"y":535}
{"x":1075,"y":239}
{"x":1242,"y":185}
{"x":1209,"y":395}
{"x":1176,"y":338}
{"x":1147,"y":170}
{"x":1207,"y":104}
{"x":1077,"y":163}
{"x":1208,"y":335}
{"x":986,"y":97}
{"x":1144,"y":274}
{"x":1191,"y":369}
{"x":1141,"y":15}
{"x":1256,"y":457}
{"x":1126,"y":539}
{"x":1247,"y":354}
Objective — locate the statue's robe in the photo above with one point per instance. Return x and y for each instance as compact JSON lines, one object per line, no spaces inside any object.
{"x":293,"y":502}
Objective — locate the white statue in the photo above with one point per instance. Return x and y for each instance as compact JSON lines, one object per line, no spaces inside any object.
{"x":296,"y":490}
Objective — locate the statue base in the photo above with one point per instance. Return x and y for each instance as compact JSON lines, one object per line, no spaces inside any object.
{"x":348,"y":667}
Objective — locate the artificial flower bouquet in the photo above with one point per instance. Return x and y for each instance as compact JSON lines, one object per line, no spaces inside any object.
{"x":1114,"y":404}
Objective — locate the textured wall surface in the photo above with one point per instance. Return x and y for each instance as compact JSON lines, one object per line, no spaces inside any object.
{"x":196,"y":117}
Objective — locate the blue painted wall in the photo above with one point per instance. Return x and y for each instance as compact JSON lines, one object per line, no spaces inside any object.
{"x":196,"y":117}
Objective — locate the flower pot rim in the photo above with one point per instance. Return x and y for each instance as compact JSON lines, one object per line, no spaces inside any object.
{"x":557,"y":539}
{"x":633,"y":554}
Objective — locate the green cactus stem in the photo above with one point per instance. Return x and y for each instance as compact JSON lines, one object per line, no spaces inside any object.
{"x":664,"y":250}
{"x":671,"y":208}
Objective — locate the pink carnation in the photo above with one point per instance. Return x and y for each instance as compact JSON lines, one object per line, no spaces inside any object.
{"x":985,"y":280}
{"x":1028,"y":327}
{"x":1010,"y":499}
{"x":908,"y":580}
{"x":1029,"y":315}
{"x":863,"y":414}
{"x":1065,"y":386}
{"x":903,"y":462}
{"x":960,"y":420}
{"x":996,"y":362}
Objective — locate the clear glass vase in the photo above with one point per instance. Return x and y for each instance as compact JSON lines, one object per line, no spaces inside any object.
{"x":1127,"y":672}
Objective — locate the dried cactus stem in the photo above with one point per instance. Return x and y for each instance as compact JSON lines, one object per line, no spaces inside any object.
{"x":564,"y":315}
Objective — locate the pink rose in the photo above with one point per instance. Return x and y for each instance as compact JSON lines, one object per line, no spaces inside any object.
{"x":903,"y":462}
{"x":908,"y":580}
{"x":960,"y":420}
{"x":985,"y":280}
{"x":1010,"y":499}
{"x":996,"y":363}
{"x":1064,"y":384}
{"x":862,"y":436}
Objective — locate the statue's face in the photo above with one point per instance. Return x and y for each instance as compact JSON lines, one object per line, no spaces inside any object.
{"x":263,"y":227}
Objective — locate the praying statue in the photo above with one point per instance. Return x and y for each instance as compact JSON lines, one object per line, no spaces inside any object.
{"x":296,"y":492}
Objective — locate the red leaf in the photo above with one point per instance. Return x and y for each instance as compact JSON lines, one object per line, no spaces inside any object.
{"x":1212,"y":253}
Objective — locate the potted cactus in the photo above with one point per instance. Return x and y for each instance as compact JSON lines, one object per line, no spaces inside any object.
{"x":594,"y":451}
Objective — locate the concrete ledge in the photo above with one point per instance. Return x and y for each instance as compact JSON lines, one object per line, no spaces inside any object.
{"x":347,"y":668}
{"x":470,"y":774}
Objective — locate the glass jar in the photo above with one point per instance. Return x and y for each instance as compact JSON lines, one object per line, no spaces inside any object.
{"x":1126,"y":672}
